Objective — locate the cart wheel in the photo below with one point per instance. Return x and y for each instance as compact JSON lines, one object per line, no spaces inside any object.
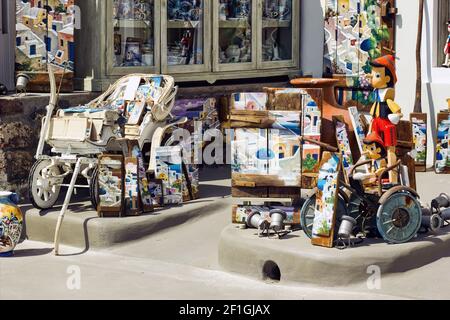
{"x":93,"y":188}
{"x":308,"y":213}
{"x":364,"y":211}
{"x":399,"y":219}
{"x":42,"y":194}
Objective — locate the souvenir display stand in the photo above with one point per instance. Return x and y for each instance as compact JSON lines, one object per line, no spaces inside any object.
{"x":270,"y":160}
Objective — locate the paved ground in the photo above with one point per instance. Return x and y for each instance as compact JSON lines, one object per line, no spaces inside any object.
{"x":181,"y":263}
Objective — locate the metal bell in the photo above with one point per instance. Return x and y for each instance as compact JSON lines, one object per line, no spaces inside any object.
{"x":346,"y":227}
{"x":255,"y":220}
{"x":277,"y":217}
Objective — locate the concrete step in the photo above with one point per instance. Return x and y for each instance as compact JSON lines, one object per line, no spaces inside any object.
{"x":82,"y":228}
{"x":243,"y":252}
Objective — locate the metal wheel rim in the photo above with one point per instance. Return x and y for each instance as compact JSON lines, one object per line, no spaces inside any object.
{"x":44,"y":195}
{"x":391,"y":230}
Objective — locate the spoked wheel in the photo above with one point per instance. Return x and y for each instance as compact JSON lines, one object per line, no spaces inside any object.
{"x":93,"y":188}
{"x":43,"y":187}
{"x":308,"y":213}
{"x":399,"y":219}
{"x":364,"y":211}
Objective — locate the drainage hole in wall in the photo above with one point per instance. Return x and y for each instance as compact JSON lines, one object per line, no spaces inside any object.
{"x":271,"y":272}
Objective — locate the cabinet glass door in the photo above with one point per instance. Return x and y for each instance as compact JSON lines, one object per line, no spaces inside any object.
{"x":278,"y":31}
{"x":133,"y":42}
{"x":185,"y":28}
{"x":234,"y":35}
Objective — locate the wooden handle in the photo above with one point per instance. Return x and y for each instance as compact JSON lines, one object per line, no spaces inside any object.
{"x":320,"y":144}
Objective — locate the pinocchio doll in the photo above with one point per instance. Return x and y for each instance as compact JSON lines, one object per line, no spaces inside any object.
{"x":385,"y":112}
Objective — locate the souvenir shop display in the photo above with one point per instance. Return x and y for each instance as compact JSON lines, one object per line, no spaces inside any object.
{"x":80,"y":135}
{"x":419,"y":119}
{"x":356,"y":33}
{"x":134,"y":34}
{"x":447,"y":48}
{"x":11,"y":223}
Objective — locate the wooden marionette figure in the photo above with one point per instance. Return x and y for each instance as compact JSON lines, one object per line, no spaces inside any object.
{"x":447,"y":48}
{"x":375,"y":151}
{"x":385,"y":112}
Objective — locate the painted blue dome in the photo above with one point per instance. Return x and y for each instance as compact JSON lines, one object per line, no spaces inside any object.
{"x":265,"y":154}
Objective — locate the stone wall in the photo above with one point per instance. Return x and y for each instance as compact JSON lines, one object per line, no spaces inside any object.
{"x":20,"y":124}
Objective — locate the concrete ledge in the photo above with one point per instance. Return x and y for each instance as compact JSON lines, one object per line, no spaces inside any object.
{"x":241,"y":251}
{"x":82,"y":228}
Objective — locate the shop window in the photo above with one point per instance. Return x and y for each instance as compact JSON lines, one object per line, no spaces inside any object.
{"x":442,"y":29}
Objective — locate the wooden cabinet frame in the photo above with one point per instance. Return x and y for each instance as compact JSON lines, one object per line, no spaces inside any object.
{"x":111,"y":70}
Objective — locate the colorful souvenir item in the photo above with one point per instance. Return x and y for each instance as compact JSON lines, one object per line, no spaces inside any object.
{"x":385,"y":112}
{"x":156,"y":190}
{"x":11,"y":223}
{"x":249,"y":101}
{"x":110,"y":185}
{"x":419,"y":124}
{"x":327,"y":200}
{"x":169,"y":169}
{"x":132,"y":205}
{"x":442,"y":146}
{"x":447,"y":48}
{"x":344,"y":145}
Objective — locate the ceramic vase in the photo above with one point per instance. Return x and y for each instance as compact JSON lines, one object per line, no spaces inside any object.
{"x":11,"y":223}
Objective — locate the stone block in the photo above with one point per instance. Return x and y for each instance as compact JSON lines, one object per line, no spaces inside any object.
{"x":16,"y":135}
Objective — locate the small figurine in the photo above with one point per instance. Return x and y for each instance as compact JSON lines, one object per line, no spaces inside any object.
{"x":186,"y":43}
{"x":447,"y":48}
{"x":375,"y":151}
{"x":385,"y":112}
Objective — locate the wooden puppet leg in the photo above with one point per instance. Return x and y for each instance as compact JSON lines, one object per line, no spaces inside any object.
{"x":392,"y":160}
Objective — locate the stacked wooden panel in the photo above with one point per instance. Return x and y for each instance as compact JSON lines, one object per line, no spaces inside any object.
{"x":268,"y":160}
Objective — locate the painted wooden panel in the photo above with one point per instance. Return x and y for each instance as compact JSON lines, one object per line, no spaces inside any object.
{"x":356,"y":32}
{"x":342,"y":137}
{"x":419,"y":123}
{"x":110,"y":185}
{"x":327,"y":198}
{"x":442,"y":164}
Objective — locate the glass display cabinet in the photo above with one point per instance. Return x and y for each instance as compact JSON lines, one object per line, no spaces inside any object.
{"x":192,"y":40}
{"x":132,"y":36}
{"x":185,"y":45}
{"x":234,"y":36}
{"x":278,"y":25}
